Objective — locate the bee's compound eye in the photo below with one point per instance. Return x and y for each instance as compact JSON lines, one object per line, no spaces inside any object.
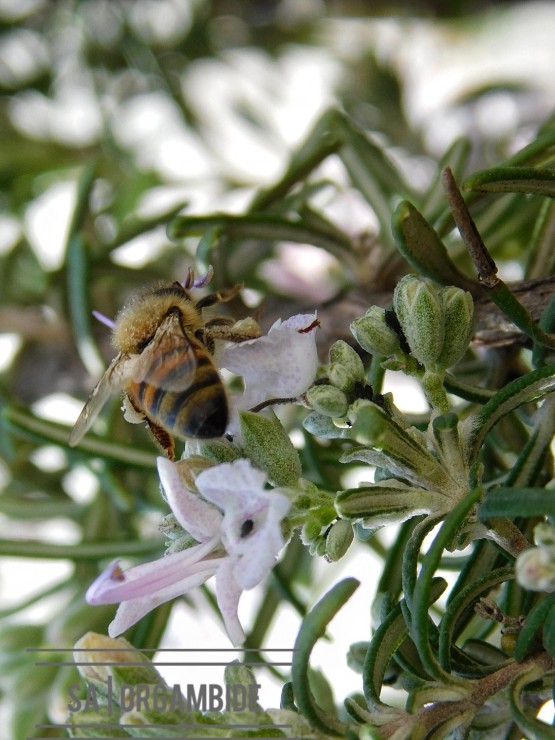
{"x":246,"y":528}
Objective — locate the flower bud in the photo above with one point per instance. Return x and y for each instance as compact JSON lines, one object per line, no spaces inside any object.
{"x":317,"y":548}
{"x":420,"y":313}
{"x":237,"y":675}
{"x":340,"y":377}
{"x":328,"y":400}
{"x":343,"y":354}
{"x":323,"y":426}
{"x":373,"y":333}
{"x":458,"y":311}
{"x":96,"y":652}
{"x":339,"y":539}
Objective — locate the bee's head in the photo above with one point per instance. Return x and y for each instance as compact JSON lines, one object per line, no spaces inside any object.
{"x":138,"y":320}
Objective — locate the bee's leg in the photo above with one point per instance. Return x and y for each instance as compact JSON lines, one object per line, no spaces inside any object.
{"x":234,"y":331}
{"x":162,"y":437}
{"x":220,"y":297}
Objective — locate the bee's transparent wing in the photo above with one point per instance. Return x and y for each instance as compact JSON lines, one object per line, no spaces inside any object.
{"x":108,"y":383}
{"x":169,"y":361}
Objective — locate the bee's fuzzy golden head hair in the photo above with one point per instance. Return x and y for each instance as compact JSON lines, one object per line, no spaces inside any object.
{"x":138,"y":320}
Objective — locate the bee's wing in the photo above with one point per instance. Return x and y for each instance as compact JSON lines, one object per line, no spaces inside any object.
{"x":108,"y":383}
{"x":169,"y":361}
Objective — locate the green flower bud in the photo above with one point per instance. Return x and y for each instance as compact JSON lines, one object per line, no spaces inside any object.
{"x":340,"y":377}
{"x":317,"y":548}
{"x":458,"y":311}
{"x":323,"y":426}
{"x":87,"y":723}
{"x":373,"y":334}
{"x":269,"y":447}
{"x":328,"y":400}
{"x":244,"y":692}
{"x":420,"y":313}
{"x":94,"y":651}
{"x":343,"y":354}
{"x":339,"y":539}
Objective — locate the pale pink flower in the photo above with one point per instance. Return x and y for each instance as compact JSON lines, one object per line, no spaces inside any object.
{"x":238,"y":526}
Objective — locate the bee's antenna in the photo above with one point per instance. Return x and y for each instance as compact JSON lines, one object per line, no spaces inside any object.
{"x":103,"y":319}
{"x":190,"y":279}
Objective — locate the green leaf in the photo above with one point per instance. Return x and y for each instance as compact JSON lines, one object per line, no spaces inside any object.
{"x":386,"y":640}
{"x":423,"y":249}
{"x":528,"y":637}
{"x":28,"y":426}
{"x":532,"y":728}
{"x":79,"y":309}
{"x":81,"y":551}
{"x":529,"y":180}
{"x":515,"y":502}
{"x":263,"y":226}
{"x":312,"y":629}
{"x":539,"y":151}
{"x":422,"y":592}
{"x":456,"y":158}
{"x":462,"y":602}
{"x":549,"y":632}
{"x":527,"y":388}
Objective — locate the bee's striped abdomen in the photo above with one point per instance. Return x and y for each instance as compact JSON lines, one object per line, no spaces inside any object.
{"x":199,"y":410}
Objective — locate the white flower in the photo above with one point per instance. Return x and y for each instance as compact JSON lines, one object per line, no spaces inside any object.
{"x":250,"y":530}
{"x":238,"y":529}
{"x":280,"y":364}
{"x":535,"y":569}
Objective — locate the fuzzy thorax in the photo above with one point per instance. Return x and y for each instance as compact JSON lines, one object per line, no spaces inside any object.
{"x":138,"y":321}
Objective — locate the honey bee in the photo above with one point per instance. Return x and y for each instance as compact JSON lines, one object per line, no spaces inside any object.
{"x":165,"y":364}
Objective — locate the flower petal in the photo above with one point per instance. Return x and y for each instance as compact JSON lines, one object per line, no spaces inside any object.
{"x":281,"y":364}
{"x":196,"y":516}
{"x":251,"y":530}
{"x":231,"y":484}
{"x":116,"y":585}
{"x":132,"y":610}
{"x":228,"y":593}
